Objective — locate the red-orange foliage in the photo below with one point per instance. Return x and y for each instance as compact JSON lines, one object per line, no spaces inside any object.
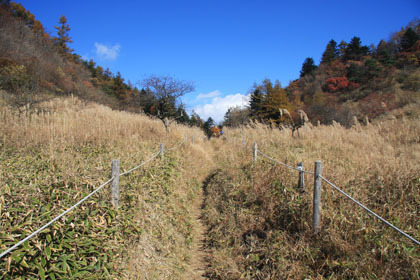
{"x":336,"y":84}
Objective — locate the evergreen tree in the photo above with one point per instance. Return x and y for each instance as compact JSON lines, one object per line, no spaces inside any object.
{"x":342,"y":48}
{"x":308,"y":67}
{"x":372,"y":69}
{"x":331,"y":52}
{"x":355,"y":50}
{"x":384,"y":54}
{"x":256,"y":104}
{"x":355,"y":73}
{"x":409,"y":39}
{"x":63,"y":37}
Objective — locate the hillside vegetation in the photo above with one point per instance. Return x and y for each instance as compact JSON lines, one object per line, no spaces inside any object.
{"x":36,"y":66}
{"x":351,"y":80}
{"x":205,"y":209}
{"x":52,"y":159}
{"x":260,"y":225}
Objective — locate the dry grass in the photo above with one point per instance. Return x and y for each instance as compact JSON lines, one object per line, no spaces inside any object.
{"x":261,"y":225}
{"x":57,"y":156}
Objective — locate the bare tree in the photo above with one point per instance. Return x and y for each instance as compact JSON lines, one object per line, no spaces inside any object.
{"x":167,"y":92}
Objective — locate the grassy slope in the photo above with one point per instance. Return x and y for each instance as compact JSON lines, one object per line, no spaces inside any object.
{"x":260,"y":226}
{"x":52,"y":159}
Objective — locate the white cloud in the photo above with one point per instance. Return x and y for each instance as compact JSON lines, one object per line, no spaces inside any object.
{"x":219,"y":105}
{"x":107,"y":52}
{"x":209,"y":95}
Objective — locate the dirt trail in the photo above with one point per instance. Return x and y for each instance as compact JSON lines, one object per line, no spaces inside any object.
{"x":199,"y":254}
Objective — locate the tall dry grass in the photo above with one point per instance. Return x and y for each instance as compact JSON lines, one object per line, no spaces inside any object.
{"x":52,"y":158}
{"x":265,"y":223}
{"x":73,"y":121}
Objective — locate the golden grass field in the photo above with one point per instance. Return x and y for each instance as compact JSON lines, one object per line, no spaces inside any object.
{"x":51,"y":159}
{"x":378,"y":164}
{"x":257,"y":225}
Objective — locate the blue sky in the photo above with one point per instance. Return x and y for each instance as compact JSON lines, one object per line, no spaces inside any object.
{"x":223,"y":46}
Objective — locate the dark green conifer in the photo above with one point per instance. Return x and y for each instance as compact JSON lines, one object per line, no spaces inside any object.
{"x":331,"y":52}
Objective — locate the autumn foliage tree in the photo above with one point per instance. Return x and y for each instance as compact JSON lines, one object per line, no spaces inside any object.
{"x":28,"y":18}
{"x":63,"y":38}
{"x":266,"y":99}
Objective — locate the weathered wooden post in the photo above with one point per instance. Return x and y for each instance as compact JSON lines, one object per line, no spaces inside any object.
{"x":317,"y":198}
{"x":255,"y":151}
{"x":243,"y":141}
{"x":192,"y":139}
{"x":162,"y":151}
{"x":115,"y":189}
{"x":186,"y":139}
{"x":301,"y":182}
{"x":234,"y":140}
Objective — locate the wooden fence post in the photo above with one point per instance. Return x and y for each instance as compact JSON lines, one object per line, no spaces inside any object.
{"x":162,"y":151}
{"x":192,"y":139}
{"x":317,"y":198}
{"x":255,"y":151}
{"x":301,"y":182}
{"x":186,"y":138}
{"x":234,"y":140}
{"x":115,"y":189}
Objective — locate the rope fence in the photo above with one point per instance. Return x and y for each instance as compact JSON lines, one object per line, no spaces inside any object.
{"x":370,"y":211}
{"x":318,"y":178}
{"x":55,"y":219}
{"x":114,"y":193}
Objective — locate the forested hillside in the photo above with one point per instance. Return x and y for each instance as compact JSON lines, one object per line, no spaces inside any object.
{"x":36,"y":66}
{"x":352,"y":80}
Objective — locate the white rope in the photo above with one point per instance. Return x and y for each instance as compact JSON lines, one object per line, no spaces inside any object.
{"x":138,"y":166}
{"x":53,"y":220}
{"x":300,"y":169}
{"x":176,"y":147}
{"x":72,"y":207}
{"x":370,"y":211}
{"x":284,"y":164}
